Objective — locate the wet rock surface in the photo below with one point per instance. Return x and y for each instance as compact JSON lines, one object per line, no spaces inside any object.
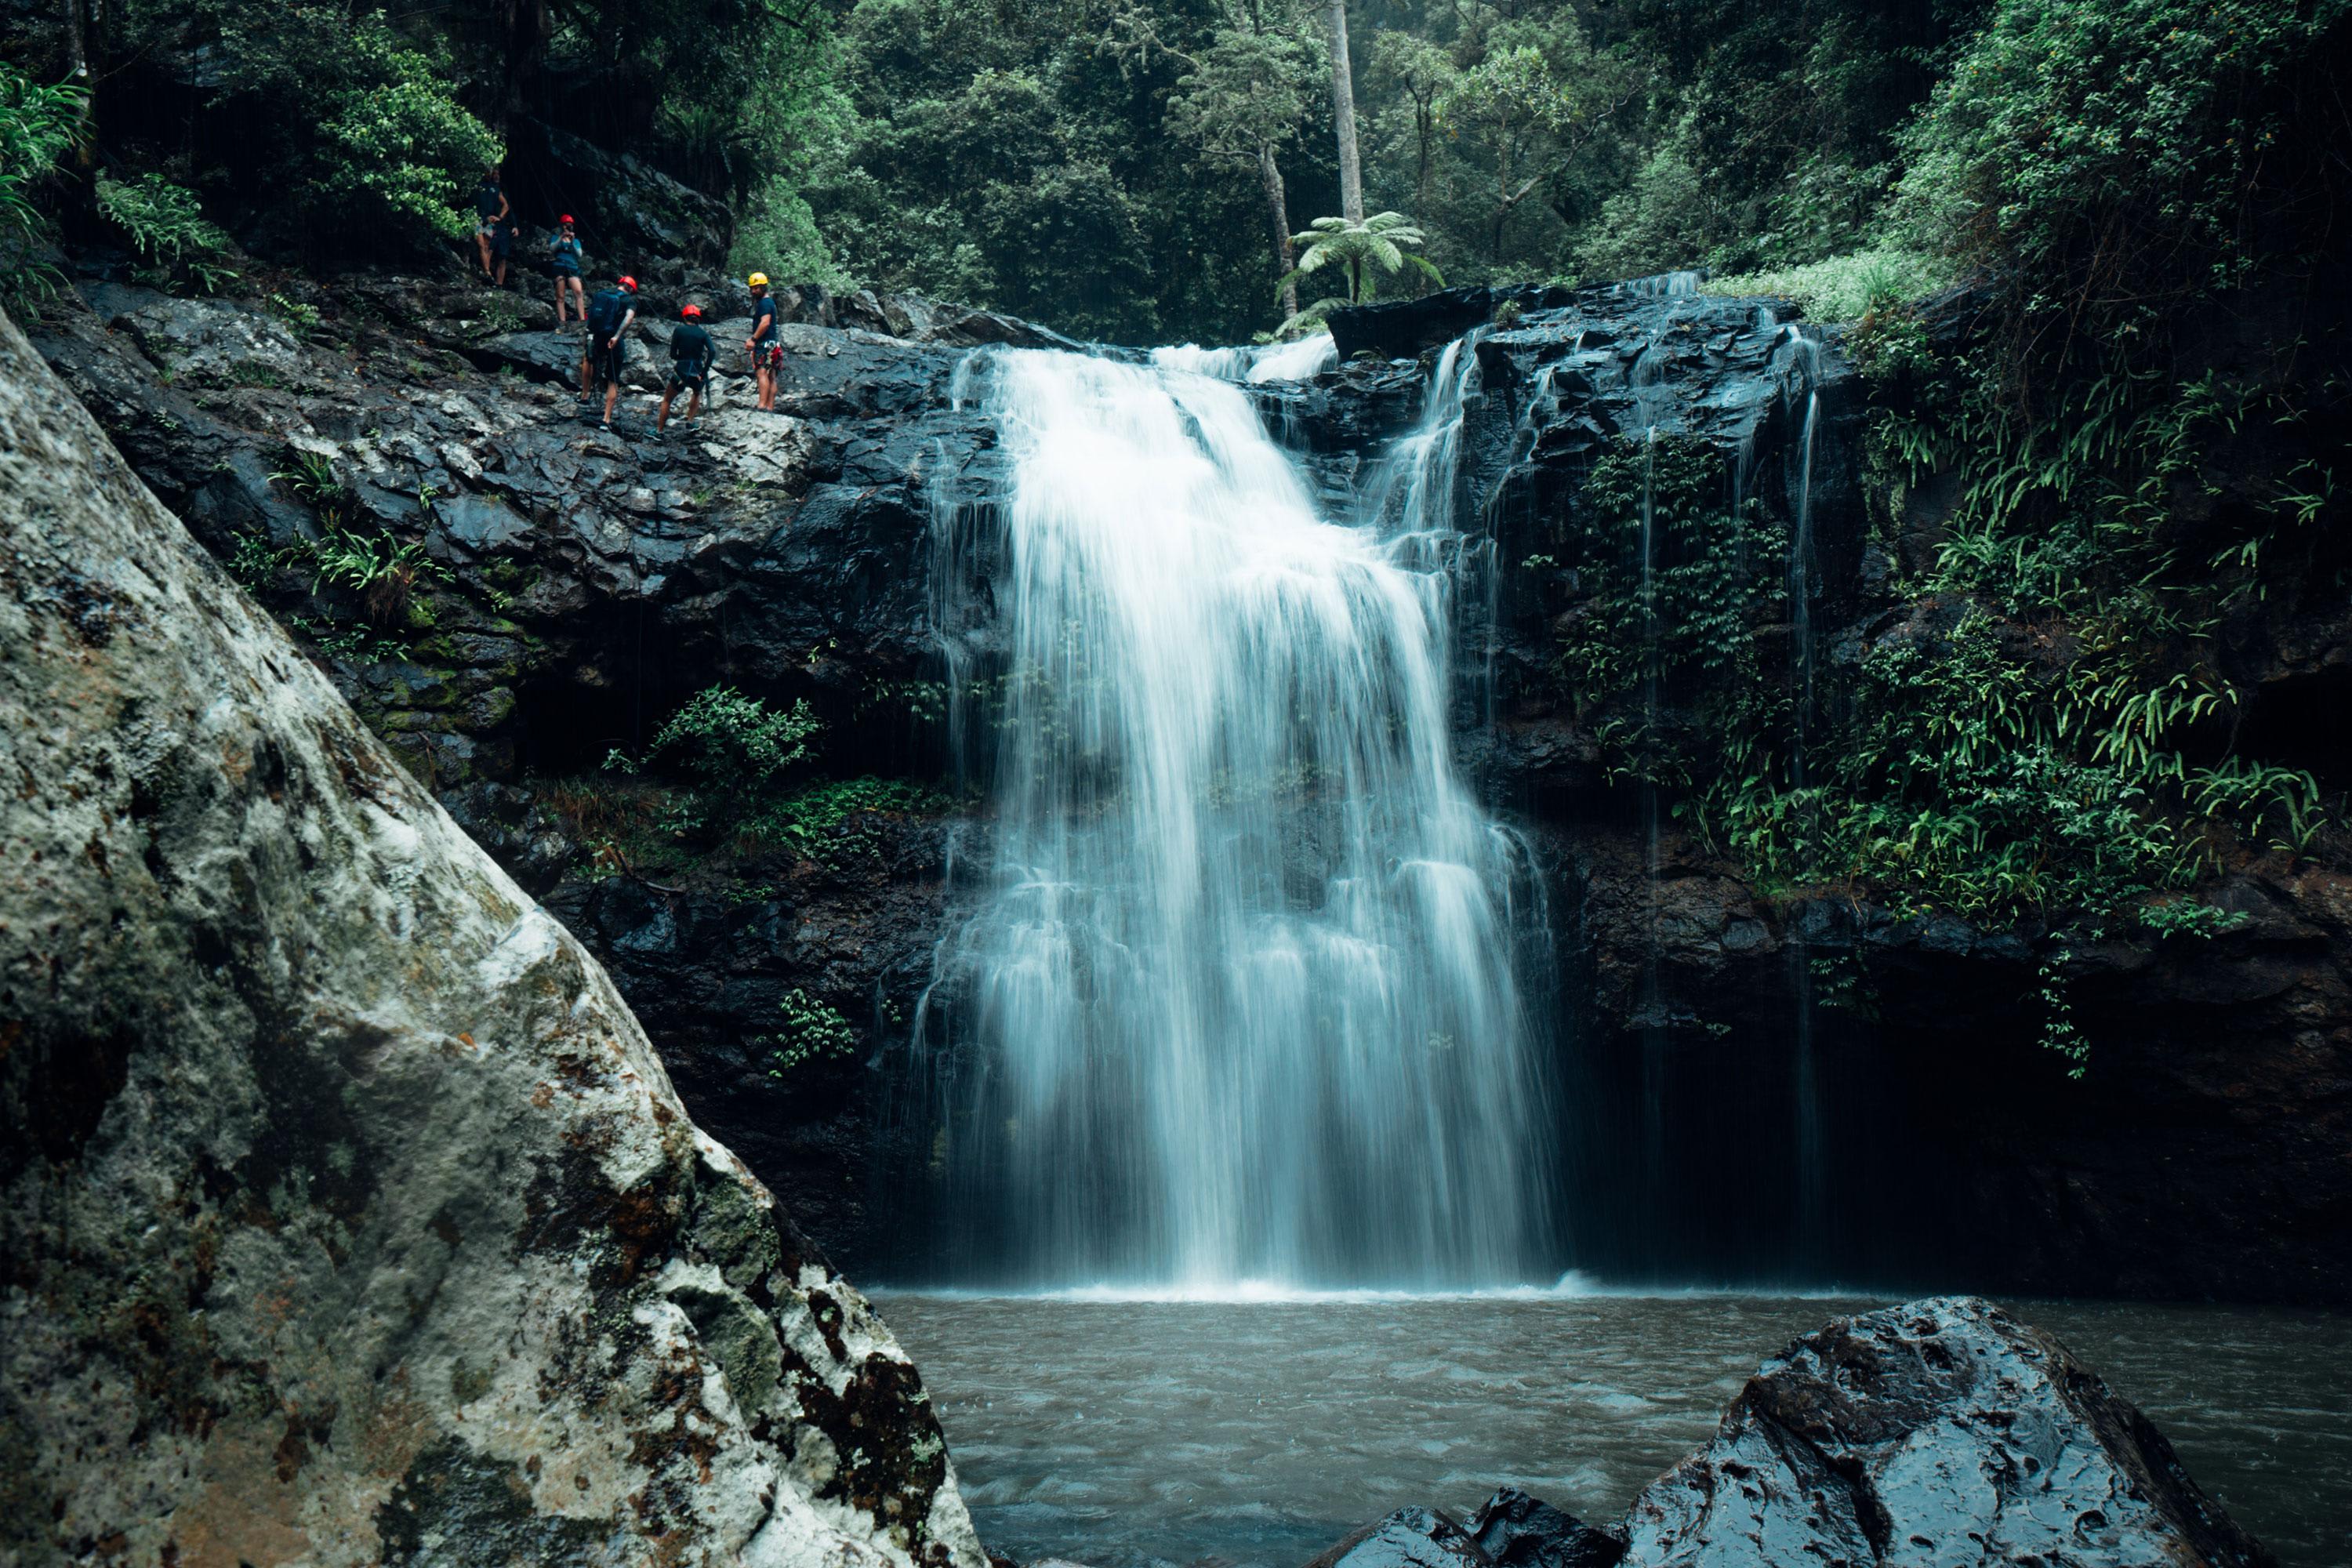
{"x":1408,"y":1538}
{"x":1517,"y":1531}
{"x":1942,"y":1431}
{"x":582,"y":586}
{"x":346,"y":1215}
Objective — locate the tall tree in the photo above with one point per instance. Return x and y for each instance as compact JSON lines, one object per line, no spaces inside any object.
{"x":1242,"y":98}
{"x":1343,"y":115}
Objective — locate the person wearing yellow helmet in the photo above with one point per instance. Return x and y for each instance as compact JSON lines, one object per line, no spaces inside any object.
{"x":765,"y":347}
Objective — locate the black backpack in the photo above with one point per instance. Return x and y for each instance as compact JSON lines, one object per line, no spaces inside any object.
{"x":605,"y":310}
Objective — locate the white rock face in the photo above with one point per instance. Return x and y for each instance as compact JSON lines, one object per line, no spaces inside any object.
{"x":345,"y":1216}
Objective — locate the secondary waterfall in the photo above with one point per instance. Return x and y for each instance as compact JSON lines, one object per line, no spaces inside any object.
{"x":1237,"y":1005}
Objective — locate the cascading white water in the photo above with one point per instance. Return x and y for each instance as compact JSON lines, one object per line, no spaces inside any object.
{"x":1239,"y":1006}
{"x":1256,"y":363}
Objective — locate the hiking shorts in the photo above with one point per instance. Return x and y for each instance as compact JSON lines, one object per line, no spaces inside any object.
{"x":680,"y":382}
{"x":769,"y":357}
{"x":604,"y":358}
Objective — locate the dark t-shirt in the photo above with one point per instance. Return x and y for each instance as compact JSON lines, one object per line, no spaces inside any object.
{"x":487,"y":199}
{"x":763,"y":317}
{"x":689,"y":347}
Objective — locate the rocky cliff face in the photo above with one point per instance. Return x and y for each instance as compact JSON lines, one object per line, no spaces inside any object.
{"x":346,"y":1215}
{"x":575,"y":588}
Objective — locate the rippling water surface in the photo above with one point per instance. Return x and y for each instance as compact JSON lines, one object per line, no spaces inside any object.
{"x":1126,"y":1434}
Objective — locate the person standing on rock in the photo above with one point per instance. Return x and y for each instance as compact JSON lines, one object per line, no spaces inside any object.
{"x":609,"y":315}
{"x":765,"y":345}
{"x":502,"y":247}
{"x":563,"y":255}
{"x":491,"y":207}
{"x":690,"y":353}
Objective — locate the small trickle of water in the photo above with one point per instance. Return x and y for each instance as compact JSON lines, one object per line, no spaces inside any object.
{"x":1239,"y":1004}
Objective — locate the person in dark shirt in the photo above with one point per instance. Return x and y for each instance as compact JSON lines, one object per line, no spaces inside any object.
{"x":565,"y":259}
{"x":491,"y":209}
{"x":609,"y":315}
{"x":691,"y":352}
{"x":765,"y":345}
{"x":502,"y":247}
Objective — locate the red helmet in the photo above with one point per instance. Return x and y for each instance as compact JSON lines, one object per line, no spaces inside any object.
{"x":690,"y":312}
{"x":566,"y":220}
{"x":629,"y":283}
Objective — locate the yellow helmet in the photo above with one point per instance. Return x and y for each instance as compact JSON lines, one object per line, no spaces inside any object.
{"x":757,"y":280}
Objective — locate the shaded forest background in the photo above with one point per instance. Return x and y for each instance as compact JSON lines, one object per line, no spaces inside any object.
{"x":1095,"y":164}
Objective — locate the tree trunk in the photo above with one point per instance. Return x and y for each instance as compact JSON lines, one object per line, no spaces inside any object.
{"x":1278,"y":209}
{"x":1343,"y":115}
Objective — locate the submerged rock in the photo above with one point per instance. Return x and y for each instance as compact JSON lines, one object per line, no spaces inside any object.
{"x":345,"y":1214}
{"x":1939,"y":1432}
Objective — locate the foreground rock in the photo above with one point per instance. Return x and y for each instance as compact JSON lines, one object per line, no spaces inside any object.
{"x":1943,"y":1432}
{"x":345,"y":1214}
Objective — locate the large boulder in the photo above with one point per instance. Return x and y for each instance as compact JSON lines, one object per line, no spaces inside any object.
{"x":345,"y":1214}
{"x":1939,"y":1432}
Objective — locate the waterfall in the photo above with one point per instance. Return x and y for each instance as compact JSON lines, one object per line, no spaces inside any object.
{"x":1257,"y":364}
{"x":1800,"y":373}
{"x":1237,"y":1004}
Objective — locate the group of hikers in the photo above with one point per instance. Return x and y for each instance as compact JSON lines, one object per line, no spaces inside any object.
{"x":606,"y":316}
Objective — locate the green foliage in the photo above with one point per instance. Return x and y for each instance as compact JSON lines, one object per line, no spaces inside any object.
{"x":778,"y":235}
{"x":298,"y":314}
{"x":733,"y":747}
{"x":1670,"y":591}
{"x":813,"y":1033}
{"x":1845,"y":287}
{"x":1381,"y":246}
{"x":830,"y":821}
{"x":396,"y":147}
{"x":39,"y":125}
{"x":362,"y":122}
{"x":2107,"y":160}
{"x":167,"y":225}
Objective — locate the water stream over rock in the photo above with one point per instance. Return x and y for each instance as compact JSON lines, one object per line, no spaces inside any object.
{"x":1239,"y":1003}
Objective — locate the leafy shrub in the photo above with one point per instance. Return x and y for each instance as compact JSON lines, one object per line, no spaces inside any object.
{"x":778,"y":235}
{"x":734,"y":746}
{"x":813,"y":1033}
{"x":1845,"y":288}
{"x":393,"y":143}
{"x":167,"y":225}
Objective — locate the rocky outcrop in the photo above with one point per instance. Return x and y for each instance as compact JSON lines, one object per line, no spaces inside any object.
{"x":346,"y":1215}
{"x":576,"y":587}
{"x":1942,"y":1431}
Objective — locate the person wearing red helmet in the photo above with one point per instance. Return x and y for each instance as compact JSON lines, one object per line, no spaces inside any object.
{"x":565,"y":257}
{"x":691,"y":352}
{"x":609,"y":315}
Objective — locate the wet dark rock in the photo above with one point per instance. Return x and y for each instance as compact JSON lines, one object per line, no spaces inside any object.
{"x":630,"y":212}
{"x":1408,"y":1538}
{"x":1401,"y":329}
{"x":596,"y":581}
{"x":1940,"y":1431}
{"x":1516,"y":1530}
